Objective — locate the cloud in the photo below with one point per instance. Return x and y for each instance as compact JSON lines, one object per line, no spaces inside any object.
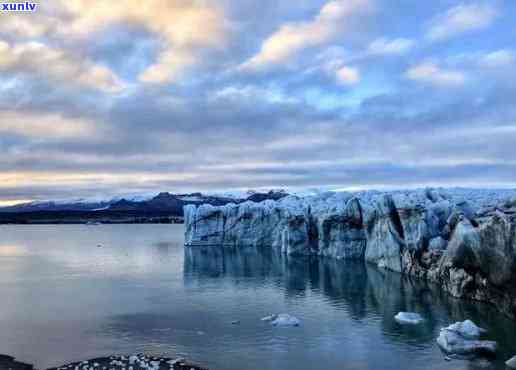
{"x":499,"y":58}
{"x":185,"y":121}
{"x":431,"y":73}
{"x":253,"y":93}
{"x":461,"y":19}
{"x":295,"y":36}
{"x":184,"y":26}
{"x":43,"y":125}
{"x":38,"y":59}
{"x":28,"y":25}
{"x":347,"y":75}
{"x":384,"y":46}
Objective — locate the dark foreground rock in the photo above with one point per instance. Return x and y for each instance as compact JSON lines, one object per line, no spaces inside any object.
{"x":463,"y":240}
{"x":8,"y":362}
{"x":132,"y":362}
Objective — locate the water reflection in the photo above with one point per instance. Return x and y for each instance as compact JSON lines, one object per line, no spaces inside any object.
{"x":65,"y":299}
{"x":367,"y":294}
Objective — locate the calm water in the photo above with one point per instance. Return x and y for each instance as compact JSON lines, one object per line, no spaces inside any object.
{"x":64,"y":299}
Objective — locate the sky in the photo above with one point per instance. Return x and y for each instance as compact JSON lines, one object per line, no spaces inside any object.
{"x":102,"y":97}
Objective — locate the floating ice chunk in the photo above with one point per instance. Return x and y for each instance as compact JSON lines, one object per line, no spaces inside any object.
{"x":284,"y":319}
{"x":467,"y":329}
{"x":269,"y":318}
{"x":452,"y":342}
{"x":462,"y":338}
{"x":411,"y":318}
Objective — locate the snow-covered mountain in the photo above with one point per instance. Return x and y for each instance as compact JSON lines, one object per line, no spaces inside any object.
{"x":164,"y":202}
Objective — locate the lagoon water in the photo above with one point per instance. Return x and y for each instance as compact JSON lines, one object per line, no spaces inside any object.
{"x":74,"y":292}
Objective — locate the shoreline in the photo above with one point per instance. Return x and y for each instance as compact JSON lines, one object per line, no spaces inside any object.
{"x":115,"y":362}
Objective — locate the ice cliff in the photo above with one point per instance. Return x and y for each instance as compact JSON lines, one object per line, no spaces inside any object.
{"x":464,"y":240}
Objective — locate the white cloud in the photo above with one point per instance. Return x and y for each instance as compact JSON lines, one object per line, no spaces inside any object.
{"x":431,"y":73}
{"x":44,"y":125}
{"x":39,"y":59}
{"x":499,"y":58}
{"x":334,"y":64}
{"x":383,"y":46}
{"x":184,"y":27}
{"x":295,"y":36}
{"x":460,"y":19}
{"x":23,"y":25}
{"x":347,"y":75}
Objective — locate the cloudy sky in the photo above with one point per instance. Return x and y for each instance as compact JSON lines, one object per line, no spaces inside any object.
{"x":103,"y":97}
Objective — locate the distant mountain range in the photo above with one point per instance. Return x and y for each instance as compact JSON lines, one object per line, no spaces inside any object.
{"x":164,"y":207}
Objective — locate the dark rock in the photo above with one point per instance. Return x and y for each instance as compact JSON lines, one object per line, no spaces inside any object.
{"x":137,"y":362}
{"x":272,"y":195}
{"x":9,"y":362}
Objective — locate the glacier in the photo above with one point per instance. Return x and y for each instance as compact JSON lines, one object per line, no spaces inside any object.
{"x":462,"y":239}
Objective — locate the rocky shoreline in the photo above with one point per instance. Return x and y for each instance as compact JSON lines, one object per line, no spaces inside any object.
{"x":114,"y":362}
{"x":464,"y":240}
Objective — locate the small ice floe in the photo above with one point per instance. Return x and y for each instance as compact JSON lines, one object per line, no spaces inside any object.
{"x":467,"y":329}
{"x":410,"y":318}
{"x":511,"y":363}
{"x":462,"y":338}
{"x":269,"y":318}
{"x":284,"y":319}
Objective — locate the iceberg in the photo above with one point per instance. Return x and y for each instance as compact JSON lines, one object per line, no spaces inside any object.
{"x":461,"y":239}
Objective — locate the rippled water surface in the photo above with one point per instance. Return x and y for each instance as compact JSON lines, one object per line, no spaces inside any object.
{"x":75,"y":292}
